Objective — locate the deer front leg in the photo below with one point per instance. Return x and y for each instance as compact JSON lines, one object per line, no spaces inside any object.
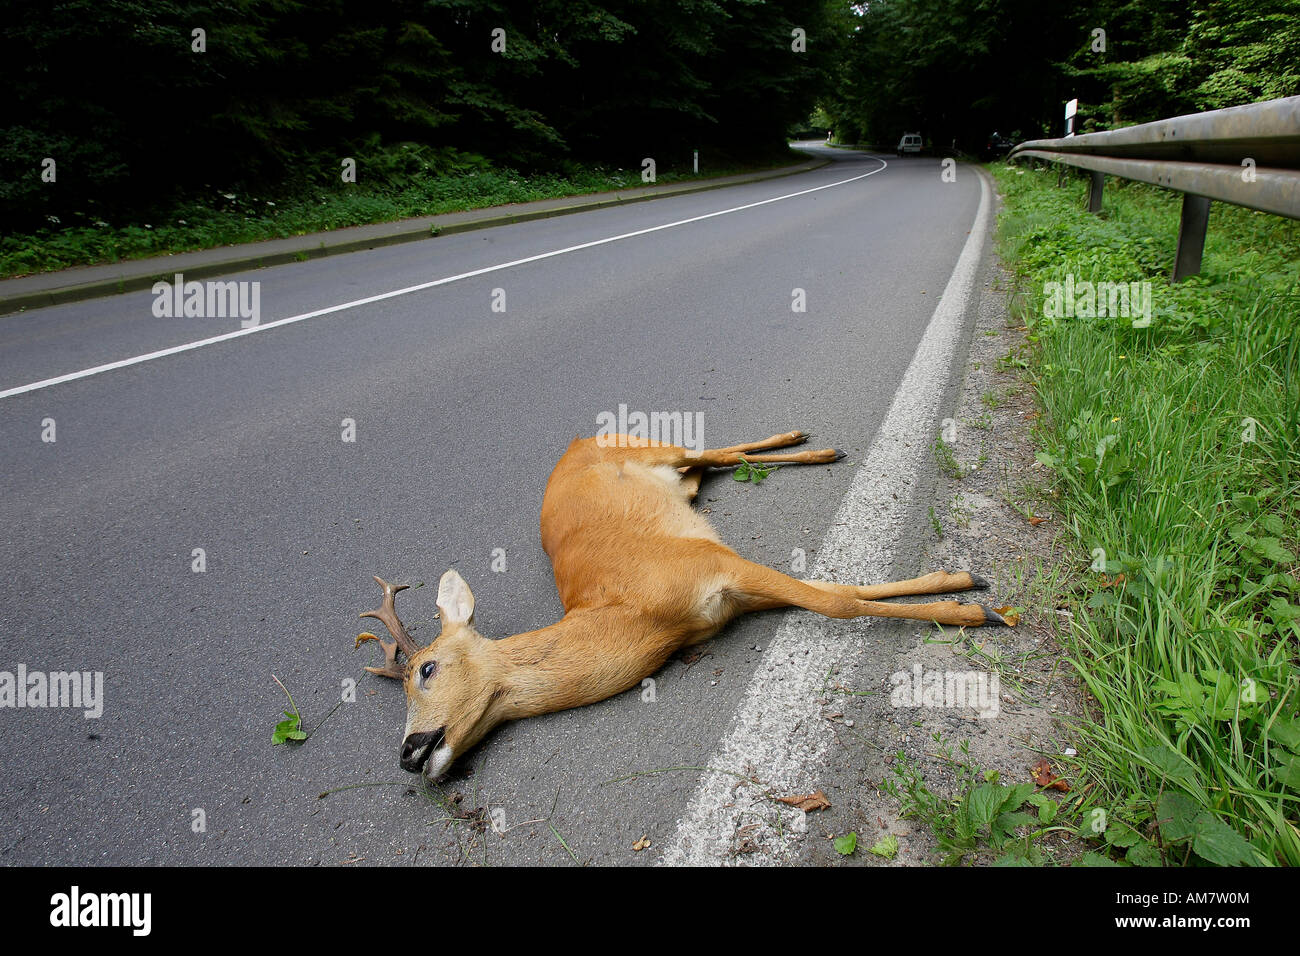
{"x":652,"y":453}
{"x":684,"y":460}
{"x":722,"y":458}
{"x":691,"y":481}
{"x":783,"y":440}
{"x":692,"y":474}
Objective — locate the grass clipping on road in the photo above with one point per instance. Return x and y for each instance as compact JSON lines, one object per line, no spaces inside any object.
{"x":1175,"y":452}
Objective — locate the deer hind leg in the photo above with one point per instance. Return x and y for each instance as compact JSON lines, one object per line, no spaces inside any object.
{"x":936,"y":582}
{"x":756,"y":588}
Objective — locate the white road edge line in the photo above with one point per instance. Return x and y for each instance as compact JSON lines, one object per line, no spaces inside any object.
{"x":777,"y":733}
{"x":176,"y":349}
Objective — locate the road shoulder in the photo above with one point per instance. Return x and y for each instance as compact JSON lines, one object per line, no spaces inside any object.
{"x":904,"y":759}
{"x":89,"y":282}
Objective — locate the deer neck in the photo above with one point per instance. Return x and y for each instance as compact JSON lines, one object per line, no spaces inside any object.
{"x":589,"y":655}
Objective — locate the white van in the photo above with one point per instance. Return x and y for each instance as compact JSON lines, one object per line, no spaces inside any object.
{"x":910,"y":143}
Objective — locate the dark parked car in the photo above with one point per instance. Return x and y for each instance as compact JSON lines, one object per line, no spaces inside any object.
{"x":998,"y":145}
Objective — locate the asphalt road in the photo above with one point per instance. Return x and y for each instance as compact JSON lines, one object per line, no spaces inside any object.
{"x":460,"y":412}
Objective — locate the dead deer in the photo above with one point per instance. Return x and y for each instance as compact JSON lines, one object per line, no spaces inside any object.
{"x":641,"y":575}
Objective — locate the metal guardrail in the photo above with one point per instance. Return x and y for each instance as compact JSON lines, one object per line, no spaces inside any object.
{"x":1244,"y":155}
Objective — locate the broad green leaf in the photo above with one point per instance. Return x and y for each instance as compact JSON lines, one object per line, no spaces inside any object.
{"x":1047,"y":808}
{"x":1177,"y":814}
{"x":886,"y":846}
{"x":1283,"y":609}
{"x":1286,"y":731}
{"x":1287,"y":771}
{"x":984,"y":802}
{"x":287,"y":729}
{"x":1274,"y":525}
{"x":1272,"y":549}
{"x":1006,"y":823}
{"x":1017,"y":794}
{"x":1143,"y":854}
{"x":1122,"y":835}
{"x":1247,"y":503}
{"x":1166,"y":762}
{"x":1220,"y":844}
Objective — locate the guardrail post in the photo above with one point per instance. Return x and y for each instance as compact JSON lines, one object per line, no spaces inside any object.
{"x":1098,"y":179}
{"x":1191,"y":236}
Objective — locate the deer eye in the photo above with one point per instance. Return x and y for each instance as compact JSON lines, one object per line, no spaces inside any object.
{"x":427,"y":669}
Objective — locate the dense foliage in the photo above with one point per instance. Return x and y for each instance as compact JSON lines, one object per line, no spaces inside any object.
{"x":957,"y":71}
{"x":134,"y":116}
{"x":138,"y":120}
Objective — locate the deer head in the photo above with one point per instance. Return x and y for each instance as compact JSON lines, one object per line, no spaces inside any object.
{"x":451,"y":685}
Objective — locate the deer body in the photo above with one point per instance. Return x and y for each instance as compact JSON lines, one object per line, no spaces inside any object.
{"x":640,"y":573}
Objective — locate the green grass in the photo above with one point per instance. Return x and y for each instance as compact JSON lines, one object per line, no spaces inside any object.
{"x":989,"y":822}
{"x":946,"y":461}
{"x":224,"y":217}
{"x":1175,"y":453}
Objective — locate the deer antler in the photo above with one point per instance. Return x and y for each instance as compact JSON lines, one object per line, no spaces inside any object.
{"x":388,"y":614}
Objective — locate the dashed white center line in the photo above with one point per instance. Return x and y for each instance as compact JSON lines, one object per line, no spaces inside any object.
{"x":447,"y":280}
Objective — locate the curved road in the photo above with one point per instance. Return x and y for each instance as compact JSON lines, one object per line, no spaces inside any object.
{"x":460,"y":412}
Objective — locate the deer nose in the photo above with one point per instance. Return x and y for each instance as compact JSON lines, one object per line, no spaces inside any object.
{"x":416,"y":749}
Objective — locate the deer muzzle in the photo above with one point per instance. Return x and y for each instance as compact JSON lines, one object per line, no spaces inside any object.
{"x":417,"y":748}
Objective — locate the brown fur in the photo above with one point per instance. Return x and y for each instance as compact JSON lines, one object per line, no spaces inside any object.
{"x":641,"y":575}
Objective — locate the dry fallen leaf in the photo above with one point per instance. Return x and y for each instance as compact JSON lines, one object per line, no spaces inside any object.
{"x":807,"y":802}
{"x":642,"y":844}
{"x":1112,"y":582}
{"x":1008,"y":614}
{"x":1035,"y":520}
{"x":692,"y":657}
{"x":1043,"y":776}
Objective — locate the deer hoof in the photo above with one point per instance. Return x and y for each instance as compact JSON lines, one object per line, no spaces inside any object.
{"x":992,"y":618}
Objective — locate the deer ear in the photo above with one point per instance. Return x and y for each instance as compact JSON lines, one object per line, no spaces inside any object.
{"x":455,"y":599}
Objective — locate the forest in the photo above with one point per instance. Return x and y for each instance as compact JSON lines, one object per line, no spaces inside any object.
{"x":143,"y":104}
